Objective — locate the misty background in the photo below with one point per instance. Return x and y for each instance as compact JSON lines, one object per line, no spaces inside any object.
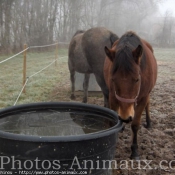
{"x":41,"y":22}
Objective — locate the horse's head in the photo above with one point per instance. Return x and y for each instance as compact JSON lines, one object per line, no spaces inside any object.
{"x":125,"y":78}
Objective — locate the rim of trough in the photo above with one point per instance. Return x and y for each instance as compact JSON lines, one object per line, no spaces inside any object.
{"x":66,"y":105}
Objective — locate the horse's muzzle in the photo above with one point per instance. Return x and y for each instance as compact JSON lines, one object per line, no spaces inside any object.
{"x":127,"y":120}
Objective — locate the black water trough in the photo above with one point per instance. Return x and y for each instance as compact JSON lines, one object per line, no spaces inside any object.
{"x":58,"y":138}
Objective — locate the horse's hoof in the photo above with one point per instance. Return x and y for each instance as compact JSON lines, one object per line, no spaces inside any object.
{"x":72,"y":97}
{"x":134,"y":152}
{"x":134,"y":157}
{"x":84,"y":100}
{"x":147,"y":126}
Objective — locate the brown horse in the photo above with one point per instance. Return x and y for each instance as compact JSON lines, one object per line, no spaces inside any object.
{"x":130,"y":72}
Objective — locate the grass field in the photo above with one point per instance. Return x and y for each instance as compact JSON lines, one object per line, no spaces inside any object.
{"x":40,"y":87}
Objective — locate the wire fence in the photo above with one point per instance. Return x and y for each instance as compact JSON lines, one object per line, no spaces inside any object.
{"x":30,"y":47}
{"x":7,"y":59}
{"x":48,"y":63}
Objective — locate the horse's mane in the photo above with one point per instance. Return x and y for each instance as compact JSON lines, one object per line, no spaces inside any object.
{"x":123,"y":57}
{"x":78,"y":32}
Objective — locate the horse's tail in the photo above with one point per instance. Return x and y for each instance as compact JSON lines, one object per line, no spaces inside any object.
{"x":78,"y":32}
{"x":113,"y":38}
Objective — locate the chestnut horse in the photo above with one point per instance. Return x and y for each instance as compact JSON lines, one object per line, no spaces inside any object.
{"x":87,"y":55}
{"x":130,"y":72}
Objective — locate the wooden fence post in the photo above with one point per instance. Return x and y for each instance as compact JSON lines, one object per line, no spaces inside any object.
{"x":24,"y":66}
{"x":56,"y":54}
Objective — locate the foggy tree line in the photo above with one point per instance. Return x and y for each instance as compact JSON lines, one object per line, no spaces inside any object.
{"x":46,"y":21}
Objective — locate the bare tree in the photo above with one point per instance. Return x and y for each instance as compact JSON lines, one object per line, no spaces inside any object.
{"x":165,"y":35}
{"x":43,"y":21}
{"x":5,"y":18}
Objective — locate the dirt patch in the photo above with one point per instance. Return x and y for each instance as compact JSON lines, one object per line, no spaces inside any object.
{"x":157,"y":144}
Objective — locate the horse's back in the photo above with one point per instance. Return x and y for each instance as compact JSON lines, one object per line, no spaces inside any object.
{"x":148,"y":45}
{"x":151,"y":63}
{"x":93,"y":42}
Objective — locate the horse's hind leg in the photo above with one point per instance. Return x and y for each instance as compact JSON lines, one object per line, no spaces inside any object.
{"x":72,"y":78}
{"x":148,"y":119}
{"x":85,"y":87}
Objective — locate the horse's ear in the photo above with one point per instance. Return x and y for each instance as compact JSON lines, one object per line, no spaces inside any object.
{"x":137,"y":53}
{"x":110,"y":53}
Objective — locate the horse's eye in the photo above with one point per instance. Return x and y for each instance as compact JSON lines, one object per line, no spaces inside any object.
{"x":137,"y":80}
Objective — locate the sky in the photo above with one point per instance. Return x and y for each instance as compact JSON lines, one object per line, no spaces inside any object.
{"x":167,"y":5}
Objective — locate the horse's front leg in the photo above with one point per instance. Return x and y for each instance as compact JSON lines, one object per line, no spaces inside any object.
{"x":148,"y":118}
{"x":85,"y":87}
{"x":135,"y":127}
{"x":134,"y":146}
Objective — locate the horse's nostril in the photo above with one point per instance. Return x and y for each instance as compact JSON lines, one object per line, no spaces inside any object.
{"x":130,"y":118}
